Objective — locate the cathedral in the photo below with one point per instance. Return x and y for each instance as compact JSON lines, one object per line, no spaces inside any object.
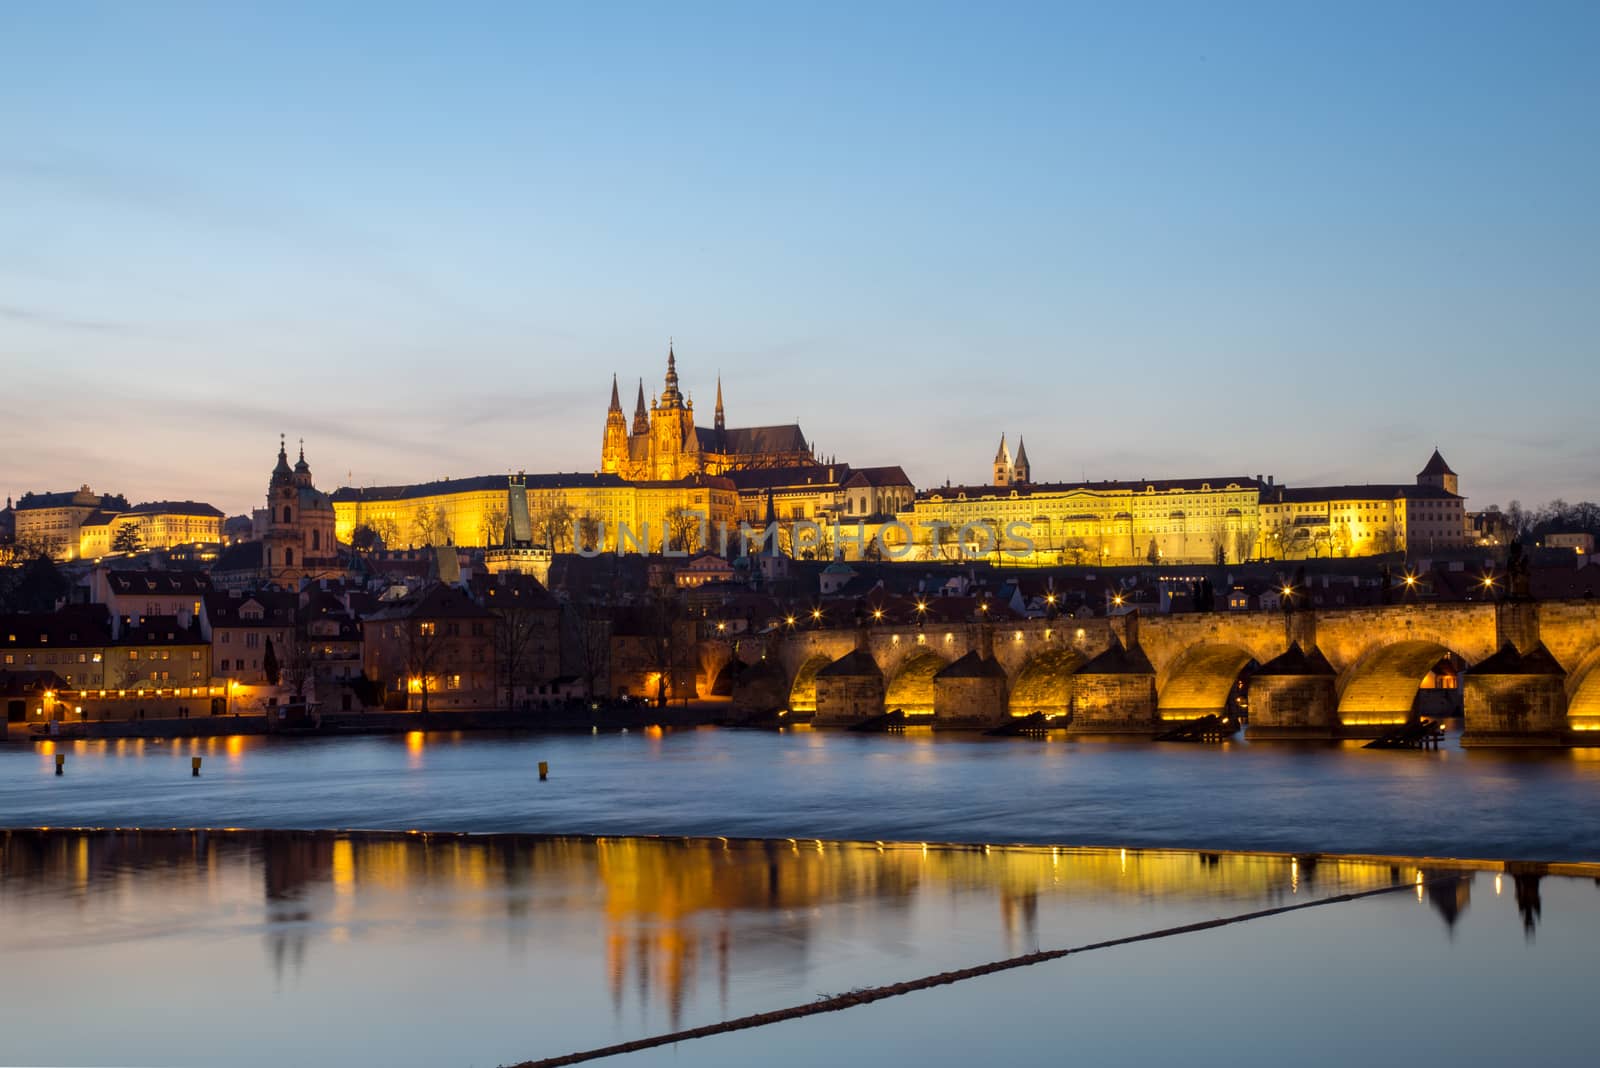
{"x":663,"y":444}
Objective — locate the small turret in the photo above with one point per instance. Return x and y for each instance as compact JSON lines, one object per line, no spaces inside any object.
{"x":720,"y":425}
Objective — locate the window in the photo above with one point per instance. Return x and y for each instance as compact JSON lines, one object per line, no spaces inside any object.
{"x":425,"y":629}
{"x":252,"y":640}
{"x":194,"y":654}
{"x":133,"y":654}
{"x":288,"y":557}
{"x":452,"y":682}
{"x":316,"y":539}
{"x":286,"y":513}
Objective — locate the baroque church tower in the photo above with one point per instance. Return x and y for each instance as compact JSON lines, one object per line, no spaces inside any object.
{"x":299,"y":538}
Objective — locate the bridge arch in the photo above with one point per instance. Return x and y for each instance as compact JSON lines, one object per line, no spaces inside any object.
{"x":911,"y":689}
{"x":1200,"y":681}
{"x":1044,"y":684}
{"x":1381,"y":687}
{"x":803,"y":691}
{"x":1583,"y":694}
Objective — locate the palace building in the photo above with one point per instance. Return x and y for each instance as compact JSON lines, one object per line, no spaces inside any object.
{"x":1312,"y":521}
{"x":1181,"y":521}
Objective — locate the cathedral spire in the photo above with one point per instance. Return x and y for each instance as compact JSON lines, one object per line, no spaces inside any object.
{"x":616,"y":402}
{"x":641,"y":415}
{"x":719,"y":421}
{"x":669,"y":395}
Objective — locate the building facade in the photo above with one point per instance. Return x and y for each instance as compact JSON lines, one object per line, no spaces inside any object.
{"x":53,"y":522}
{"x":1341,"y":521}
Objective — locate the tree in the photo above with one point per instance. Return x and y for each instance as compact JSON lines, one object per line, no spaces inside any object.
{"x":668,"y":650}
{"x":365,"y":538}
{"x":519,"y":635}
{"x":1152,"y":555}
{"x":127,"y":539}
{"x":431,"y":526}
{"x":421,"y":653}
{"x":1219,"y":552}
{"x":269,"y":664}
{"x":587,"y":527}
{"x":37,"y":586}
{"x":298,"y":666}
{"x":552,"y":525}
{"x":492,"y":527}
{"x":683,"y":529}
{"x":588,"y":635}
{"x":387,"y":529}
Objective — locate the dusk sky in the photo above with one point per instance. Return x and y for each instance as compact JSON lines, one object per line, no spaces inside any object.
{"x":1157,"y":240}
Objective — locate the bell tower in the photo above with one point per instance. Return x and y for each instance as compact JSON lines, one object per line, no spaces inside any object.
{"x":1004,"y":470}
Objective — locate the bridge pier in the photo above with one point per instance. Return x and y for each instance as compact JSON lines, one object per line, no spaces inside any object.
{"x":1516,"y":699}
{"x":1294,"y":695}
{"x":970,"y":693}
{"x":1115,"y":693}
{"x":849,"y":690}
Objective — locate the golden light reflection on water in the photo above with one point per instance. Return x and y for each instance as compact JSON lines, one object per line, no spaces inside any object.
{"x":663,"y":918}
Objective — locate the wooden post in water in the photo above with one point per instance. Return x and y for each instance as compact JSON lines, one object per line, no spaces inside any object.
{"x":61,"y":763}
{"x":194,"y":766}
{"x":544,"y":770}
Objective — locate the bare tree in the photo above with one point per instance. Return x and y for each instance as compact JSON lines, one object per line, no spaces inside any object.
{"x":422,"y":650}
{"x":587,"y":527}
{"x":296,"y":667}
{"x":588,"y":629}
{"x":431,"y":526}
{"x":517,"y":640}
{"x":492,"y":527}
{"x":683,"y":529}
{"x":552,"y":524}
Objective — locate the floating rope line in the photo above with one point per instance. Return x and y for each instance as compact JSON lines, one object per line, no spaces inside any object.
{"x":867,"y":995}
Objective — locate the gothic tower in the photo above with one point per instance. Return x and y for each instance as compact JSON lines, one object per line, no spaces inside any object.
{"x":721,"y":424}
{"x":614,"y":447}
{"x":671,"y":426}
{"x":1021,"y":473}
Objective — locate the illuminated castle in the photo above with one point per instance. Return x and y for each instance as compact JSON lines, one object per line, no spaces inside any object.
{"x":664,"y":444}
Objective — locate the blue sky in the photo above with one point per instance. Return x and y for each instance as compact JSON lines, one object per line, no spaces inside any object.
{"x":1158,"y":240}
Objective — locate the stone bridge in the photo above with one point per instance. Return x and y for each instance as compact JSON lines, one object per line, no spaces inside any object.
{"x":1530,"y":673}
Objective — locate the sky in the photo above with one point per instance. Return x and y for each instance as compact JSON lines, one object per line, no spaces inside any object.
{"x":1157,"y":240}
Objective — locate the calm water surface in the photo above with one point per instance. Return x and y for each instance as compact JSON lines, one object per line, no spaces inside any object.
{"x":836,"y":785}
{"x":246,"y":948}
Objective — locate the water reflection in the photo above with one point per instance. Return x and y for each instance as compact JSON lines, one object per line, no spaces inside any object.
{"x":620,"y":936}
{"x":671,"y":919}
